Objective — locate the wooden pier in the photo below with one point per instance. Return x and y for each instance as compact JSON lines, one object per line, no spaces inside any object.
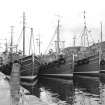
{"x":15,"y":84}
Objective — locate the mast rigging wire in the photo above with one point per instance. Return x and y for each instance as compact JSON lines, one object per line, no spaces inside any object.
{"x":51,"y":41}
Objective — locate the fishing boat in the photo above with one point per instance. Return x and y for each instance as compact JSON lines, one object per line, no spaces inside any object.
{"x":91,"y":59}
{"x":91,"y":64}
{"x":57,"y":64}
{"x":29,"y":63}
{"x":28,"y":71}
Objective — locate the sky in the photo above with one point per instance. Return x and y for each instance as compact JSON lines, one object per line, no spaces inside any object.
{"x":42,"y":15}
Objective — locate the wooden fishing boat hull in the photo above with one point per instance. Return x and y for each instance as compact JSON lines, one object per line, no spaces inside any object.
{"x":29,"y":67}
{"x":59,"y":69}
{"x":89,"y":66}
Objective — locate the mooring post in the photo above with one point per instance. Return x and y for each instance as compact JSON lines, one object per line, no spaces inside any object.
{"x":15,"y":84}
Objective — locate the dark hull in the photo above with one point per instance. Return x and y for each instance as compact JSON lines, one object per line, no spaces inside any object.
{"x":102,"y":66}
{"x":57,"y":69}
{"x":28,"y":67}
{"x":89,"y":66}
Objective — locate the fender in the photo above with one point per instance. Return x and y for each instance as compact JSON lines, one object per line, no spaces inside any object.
{"x":80,"y":62}
{"x":102,"y":62}
{"x":62,"y":61}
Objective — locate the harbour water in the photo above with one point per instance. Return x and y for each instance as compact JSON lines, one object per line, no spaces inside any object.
{"x":81,"y":90}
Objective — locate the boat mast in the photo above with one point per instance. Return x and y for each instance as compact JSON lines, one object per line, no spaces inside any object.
{"x":100,"y":48}
{"x":23,"y":33}
{"x":38,"y":44}
{"x":101,"y":32}
{"x":63,"y":44}
{"x":58,"y":39}
{"x":11,"y":44}
{"x":6,"y":46}
{"x":31,"y":47}
{"x":84,"y":36}
{"x":74,"y":38}
{"x":30,"y":40}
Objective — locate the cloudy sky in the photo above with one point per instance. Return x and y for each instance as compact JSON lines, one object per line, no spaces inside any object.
{"x":42,"y":15}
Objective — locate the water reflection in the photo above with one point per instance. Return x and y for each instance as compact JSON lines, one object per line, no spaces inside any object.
{"x":57,"y":91}
{"x":33,"y":89}
{"x":102,"y":89}
{"x":87,"y":90}
{"x":81,"y":90}
{"x":87,"y":84}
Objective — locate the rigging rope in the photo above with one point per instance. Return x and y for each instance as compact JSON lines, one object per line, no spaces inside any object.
{"x":19,"y":38}
{"x":30,"y":45}
{"x":51,"y":41}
